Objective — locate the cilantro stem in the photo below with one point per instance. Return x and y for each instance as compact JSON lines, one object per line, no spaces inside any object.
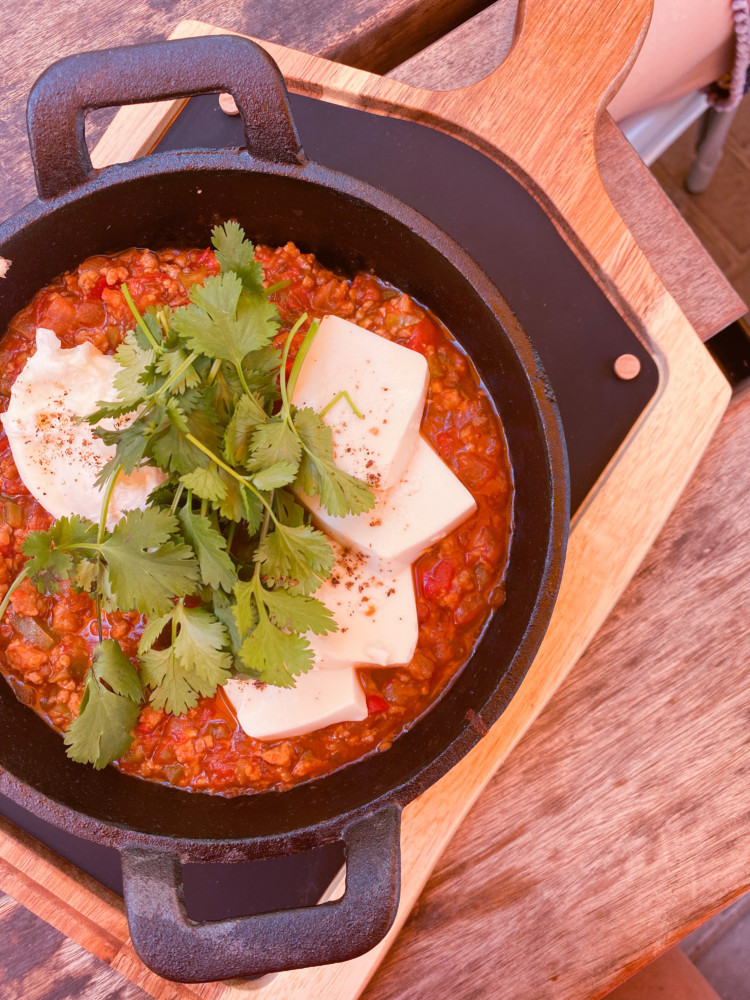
{"x":177,"y":497}
{"x":105,"y":504}
{"x":100,"y":538}
{"x":284,"y":356}
{"x":278,"y":286}
{"x":342,"y":395}
{"x":242,"y":378}
{"x":178,"y":374}
{"x":266,"y":518}
{"x":215,"y":367}
{"x":232,"y":472}
{"x":13,"y":587}
{"x":304,"y":347}
{"x":138,"y":318}
{"x":163,"y":321}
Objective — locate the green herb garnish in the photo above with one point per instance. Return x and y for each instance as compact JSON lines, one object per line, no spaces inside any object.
{"x":211,"y":405}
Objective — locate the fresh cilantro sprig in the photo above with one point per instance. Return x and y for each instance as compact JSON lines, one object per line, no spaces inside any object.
{"x":143,"y":564}
{"x":224,"y":562}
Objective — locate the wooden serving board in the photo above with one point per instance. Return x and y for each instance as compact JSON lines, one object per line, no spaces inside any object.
{"x":544,"y":135}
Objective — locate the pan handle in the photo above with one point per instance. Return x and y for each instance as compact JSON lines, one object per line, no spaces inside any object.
{"x":184,"y":950}
{"x":152,"y":72}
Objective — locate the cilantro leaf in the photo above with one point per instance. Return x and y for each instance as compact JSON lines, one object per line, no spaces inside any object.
{"x":136,"y":371}
{"x":176,"y":688}
{"x":210,"y":546}
{"x":169,"y":364}
{"x":299,"y":558}
{"x":198,"y":643}
{"x":130,"y":447}
{"x":76,"y":530}
{"x":276,"y":475}
{"x":288,"y":510}
{"x":232,"y":506}
{"x":235,"y":252}
{"x":298,"y":612}
{"x":151,"y":320}
{"x":152,"y":630}
{"x":169,"y":446}
{"x":49,"y":562}
{"x":260,"y":371}
{"x":111,"y":665}
{"x":224,"y":611}
{"x":193,"y":666}
{"x":205,"y":483}
{"x":109,"y":709}
{"x":245,"y":610}
{"x":102,"y":732}
{"x":273,"y":442}
{"x":318,"y":475}
{"x":146,"y":569}
{"x":47,"y":566}
{"x":274,"y":656}
{"x":248,"y":413}
{"x":107,"y":411}
{"x":222,"y":323}
{"x":177,"y":416}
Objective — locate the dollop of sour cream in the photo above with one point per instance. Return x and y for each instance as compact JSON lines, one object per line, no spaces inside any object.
{"x":57,"y":455}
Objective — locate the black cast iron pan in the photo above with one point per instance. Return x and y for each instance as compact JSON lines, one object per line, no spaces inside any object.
{"x":277,"y":195}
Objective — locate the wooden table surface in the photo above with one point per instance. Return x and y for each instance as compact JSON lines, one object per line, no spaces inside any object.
{"x":621,"y":817}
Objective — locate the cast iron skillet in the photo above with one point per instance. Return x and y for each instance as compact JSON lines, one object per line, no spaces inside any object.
{"x":277,"y":195}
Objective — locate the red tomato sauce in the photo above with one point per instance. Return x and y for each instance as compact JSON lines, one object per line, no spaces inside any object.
{"x":45,"y":642}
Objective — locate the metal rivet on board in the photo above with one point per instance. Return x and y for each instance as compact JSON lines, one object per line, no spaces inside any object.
{"x":227,"y":104}
{"x":627,"y":366}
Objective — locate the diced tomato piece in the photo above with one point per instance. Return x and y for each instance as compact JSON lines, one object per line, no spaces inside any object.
{"x":208,"y":260}
{"x":99,"y":285}
{"x":56,"y":313}
{"x":423,"y":335}
{"x":437,"y":581}
{"x":364,"y":287}
{"x":376,"y":704}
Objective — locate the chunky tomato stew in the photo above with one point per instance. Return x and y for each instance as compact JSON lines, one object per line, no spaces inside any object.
{"x":45,"y":642}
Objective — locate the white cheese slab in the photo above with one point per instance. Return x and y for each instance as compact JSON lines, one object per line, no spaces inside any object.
{"x":58,"y":458}
{"x":375,"y":607}
{"x":427,"y":503}
{"x":320,"y":698}
{"x":386,"y":382}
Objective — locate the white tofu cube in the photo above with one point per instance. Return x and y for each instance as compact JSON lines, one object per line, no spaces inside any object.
{"x":426,"y":504}
{"x":385,"y":381}
{"x":319,"y":699}
{"x":375,"y":608}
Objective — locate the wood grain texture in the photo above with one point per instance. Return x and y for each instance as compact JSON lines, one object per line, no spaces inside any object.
{"x":37,"y":962}
{"x":679,"y":258}
{"x":623,"y":515}
{"x":373,"y":34}
{"x":621,"y":820}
